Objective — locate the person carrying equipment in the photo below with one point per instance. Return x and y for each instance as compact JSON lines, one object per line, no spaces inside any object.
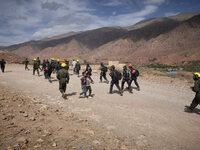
{"x":78,"y":67}
{"x":196,"y":89}
{"x":26,"y":62}
{"x":126,"y":78}
{"x":134,"y":74}
{"x":3,"y":64}
{"x":115,"y":76}
{"x":35,"y":66}
{"x":63,"y":77}
{"x":103,"y":69}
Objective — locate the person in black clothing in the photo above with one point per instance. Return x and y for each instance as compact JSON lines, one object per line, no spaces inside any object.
{"x":26,"y":62}
{"x":88,"y":71}
{"x":114,"y":81}
{"x":58,"y":65}
{"x":134,"y":74}
{"x":2,"y":62}
{"x":126,"y":78}
{"x":43,"y":64}
{"x":103,"y":72}
{"x":39,"y":62}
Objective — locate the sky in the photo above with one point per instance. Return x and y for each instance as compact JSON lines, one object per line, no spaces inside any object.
{"x":25,"y":20}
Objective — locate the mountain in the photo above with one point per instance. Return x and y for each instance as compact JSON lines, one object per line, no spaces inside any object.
{"x":171,"y":40}
{"x":10,"y":57}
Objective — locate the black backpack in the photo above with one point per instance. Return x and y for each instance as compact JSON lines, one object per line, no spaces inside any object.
{"x":118,"y":75}
{"x":105,"y":69}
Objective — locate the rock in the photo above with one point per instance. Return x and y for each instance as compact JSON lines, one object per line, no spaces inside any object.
{"x":21,"y":111}
{"x":37,"y":146}
{"x":10,"y":148}
{"x":40,"y":140}
{"x":54,"y":144}
{"x":25,"y":115}
{"x":96,"y":142}
{"x":32,"y":119}
{"x":56,"y":110}
{"x":1,"y":99}
{"x":22,"y":140}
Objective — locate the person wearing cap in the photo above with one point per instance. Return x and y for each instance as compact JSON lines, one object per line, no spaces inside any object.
{"x":39,"y":62}
{"x":103,"y":69}
{"x":53,"y":64}
{"x":35,"y":66}
{"x":126,"y":79}
{"x":114,"y":81}
{"x":88,"y":70}
{"x":63,"y":77}
{"x":78,"y":67}
{"x":3,"y":64}
{"x":196,"y":89}
{"x":134,"y":74}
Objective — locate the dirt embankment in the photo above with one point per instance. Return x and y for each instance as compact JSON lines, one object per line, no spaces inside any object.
{"x":28,"y":124}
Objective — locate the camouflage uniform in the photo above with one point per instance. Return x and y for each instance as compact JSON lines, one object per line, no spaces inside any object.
{"x":63,"y":77}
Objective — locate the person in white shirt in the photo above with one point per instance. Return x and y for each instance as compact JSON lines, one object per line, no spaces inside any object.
{"x":74,"y":65}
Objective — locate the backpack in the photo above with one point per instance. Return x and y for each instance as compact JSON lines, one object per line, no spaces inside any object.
{"x":105,"y":69}
{"x":117,"y":75}
{"x":135,"y":73}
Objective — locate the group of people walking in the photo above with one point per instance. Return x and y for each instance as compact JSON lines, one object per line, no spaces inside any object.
{"x":129,"y":74}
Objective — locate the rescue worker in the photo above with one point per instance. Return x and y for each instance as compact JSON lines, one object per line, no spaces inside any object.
{"x":134,"y":74}
{"x":126,"y":78}
{"x":53,"y":64}
{"x":196,"y":89}
{"x":26,"y":62}
{"x":114,"y":80}
{"x":43,"y":64}
{"x":3,"y":64}
{"x":35,"y":66}
{"x":78,"y":67}
{"x":58,"y":65}
{"x":74,"y":66}
{"x":67,"y":64}
{"x":63,"y":77}
{"x":39,"y":62}
{"x":103,"y":69}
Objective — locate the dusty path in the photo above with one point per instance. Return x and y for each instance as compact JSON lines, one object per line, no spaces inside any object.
{"x":153,"y":117}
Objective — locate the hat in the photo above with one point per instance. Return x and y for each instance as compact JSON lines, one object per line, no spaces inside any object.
{"x":63,"y":65}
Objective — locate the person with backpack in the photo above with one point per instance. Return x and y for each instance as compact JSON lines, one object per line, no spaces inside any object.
{"x":53,"y":64}
{"x":196,"y":89}
{"x":3,"y":64}
{"x":88,"y":70}
{"x":67,"y":64}
{"x":103,"y":69}
{"x":26,"y":62}
{"x":63,"y":77}
{"x":126,"y":78}
{"x":36,"y":66}
{"x":78,"y":67}
{"x":39,"y":62}
{"x":134,"y":74}
{"x":115,"y":77}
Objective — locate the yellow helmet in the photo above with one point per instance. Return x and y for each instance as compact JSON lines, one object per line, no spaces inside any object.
{"x":77,"y":60}
{"x":63,"y":65}
{"x":34,"y":59}
{"x":52,"y":58}
{"x":197,"y":74}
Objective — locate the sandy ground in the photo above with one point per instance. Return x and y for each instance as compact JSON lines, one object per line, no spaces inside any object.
{"x":152,"y":118}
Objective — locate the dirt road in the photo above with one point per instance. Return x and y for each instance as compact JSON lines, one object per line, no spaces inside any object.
{"x":153,"y":118}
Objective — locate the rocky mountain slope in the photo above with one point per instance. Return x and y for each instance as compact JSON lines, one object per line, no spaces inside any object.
{"x":171,"y":40}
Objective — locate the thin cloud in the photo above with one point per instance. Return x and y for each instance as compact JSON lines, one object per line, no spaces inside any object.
{"x":168,"y":14}
{"x":154,"y":1}
{"x":113,"y":3}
